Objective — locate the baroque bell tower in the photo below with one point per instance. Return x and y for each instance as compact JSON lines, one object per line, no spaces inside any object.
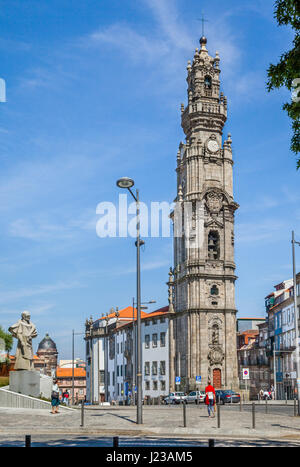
{"x":203,"y":325}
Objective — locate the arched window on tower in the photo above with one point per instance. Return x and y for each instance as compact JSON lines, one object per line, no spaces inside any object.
{"x":207,"y":82}
{"x":214,"y":290}
{"x":213,"y":245}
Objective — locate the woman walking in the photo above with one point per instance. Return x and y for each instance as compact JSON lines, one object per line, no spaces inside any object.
{"x":210,"y":399}
{"x":55,"y":397}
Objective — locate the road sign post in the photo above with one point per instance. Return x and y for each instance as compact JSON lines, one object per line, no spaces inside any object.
{"x":198,"y":381}
{"x":246,"y":377}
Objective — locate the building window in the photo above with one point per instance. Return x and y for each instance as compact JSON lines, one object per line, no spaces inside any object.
{"x":147,"y":368}
{"x":147,"y":341}
{"x":154,"y":321}
{"x":118,"y":370}
{"x":214,"y":290}
{"x":154,"y":340}
{"x":162,"y":385}
{"x":154,"y":368}
{"x":154,"y":385}
{"x":162,"y":369}
{"x":207,"y":82}
{"x":162,"y":339}
{"x":163,"y":320}
{"x":147,"y":323}
{"x":101,"y":376}
{"x":147,"y":385}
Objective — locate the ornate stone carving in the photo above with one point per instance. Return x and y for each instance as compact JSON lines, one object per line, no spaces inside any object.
{"x":171,"y":291}
{"x":214,"y":202}
{"x":216,"y":356}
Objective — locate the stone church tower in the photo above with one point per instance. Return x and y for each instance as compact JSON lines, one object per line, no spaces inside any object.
{"x":203,"y":324}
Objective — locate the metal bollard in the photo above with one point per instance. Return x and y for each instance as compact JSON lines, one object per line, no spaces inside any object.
{"x":211,"y":443}
{"x":27,"y":441}
{"x":184,"y":414}
{"x":266,"y":405}
{"x":253,"y":415}
{"x":295,"y":408}
{"x":116,"y":441}
{"x":241,"y":404}
{"x":82,"y":413}
{"x":219,"y":414}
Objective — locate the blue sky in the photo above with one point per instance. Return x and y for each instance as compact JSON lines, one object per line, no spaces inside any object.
{"x":93,"y":93}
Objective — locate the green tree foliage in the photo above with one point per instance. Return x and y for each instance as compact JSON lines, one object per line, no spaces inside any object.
{"x":287,"y":12}
{"x":8,"y":339}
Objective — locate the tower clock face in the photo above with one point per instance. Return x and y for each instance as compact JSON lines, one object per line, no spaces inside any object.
{"x":213,"y":146}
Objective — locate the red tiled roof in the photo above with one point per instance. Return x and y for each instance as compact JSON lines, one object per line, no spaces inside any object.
{"x":158,"y":312}
{"x":125,"y":313}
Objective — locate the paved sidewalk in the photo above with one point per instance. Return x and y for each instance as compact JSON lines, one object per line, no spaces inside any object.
{"x":157,"y":421}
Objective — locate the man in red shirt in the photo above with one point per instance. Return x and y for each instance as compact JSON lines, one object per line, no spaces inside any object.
{"x":210,"y":398}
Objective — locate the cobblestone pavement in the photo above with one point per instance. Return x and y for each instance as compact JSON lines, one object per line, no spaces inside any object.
{"x":157,"y":421}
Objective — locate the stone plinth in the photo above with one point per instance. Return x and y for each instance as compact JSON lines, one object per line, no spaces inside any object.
{"x":25,"y":382}
{"x":46,"y":383}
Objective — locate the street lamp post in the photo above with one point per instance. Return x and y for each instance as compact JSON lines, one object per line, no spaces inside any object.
{"x":296,"y":320}
{"x":128,"y":184}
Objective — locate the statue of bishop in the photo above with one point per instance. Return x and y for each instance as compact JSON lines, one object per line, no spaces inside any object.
{"x":24,"y":331}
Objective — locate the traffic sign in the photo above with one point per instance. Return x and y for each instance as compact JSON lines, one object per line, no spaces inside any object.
{"x":198,"y":379}
{"x":246,"y":374}
{"x":177,"y":380}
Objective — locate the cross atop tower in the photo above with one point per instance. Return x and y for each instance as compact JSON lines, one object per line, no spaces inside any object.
{"x":203,"y":20}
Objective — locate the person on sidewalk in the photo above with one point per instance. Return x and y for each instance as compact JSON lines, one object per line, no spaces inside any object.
{"x":55,"y":397}
{"x":210,"y":399}
{"x":273,"y":393}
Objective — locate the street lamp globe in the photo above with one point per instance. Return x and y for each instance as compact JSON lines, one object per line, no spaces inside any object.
{"x":125,"y":182}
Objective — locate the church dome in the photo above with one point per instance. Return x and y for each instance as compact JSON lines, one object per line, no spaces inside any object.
{"x":47,"y":344}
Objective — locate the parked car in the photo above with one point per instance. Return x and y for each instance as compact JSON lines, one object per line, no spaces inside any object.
{"x":227,"y":396}
{"x":195,"y":397}
{"x":175,"y":398}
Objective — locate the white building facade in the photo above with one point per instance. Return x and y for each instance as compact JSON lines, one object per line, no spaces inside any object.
{"x":111,"y":356}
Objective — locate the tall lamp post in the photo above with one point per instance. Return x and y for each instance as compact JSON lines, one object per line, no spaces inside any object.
{"x":128,"y":183}
{"x":296,"y":320}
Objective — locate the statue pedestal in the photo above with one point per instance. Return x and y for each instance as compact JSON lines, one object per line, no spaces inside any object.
{"x":25,"y":382}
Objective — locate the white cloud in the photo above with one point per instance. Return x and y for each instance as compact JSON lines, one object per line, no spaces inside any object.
{"x":267,"y":230}
{"x":21,"y":293}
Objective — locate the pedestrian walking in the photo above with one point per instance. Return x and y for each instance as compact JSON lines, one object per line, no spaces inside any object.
{"x":55,"y":397}
{"x":261,"y":394}
{"x":65,"y":397}
{"x":273,"y":393}
{"x":210,"y":399}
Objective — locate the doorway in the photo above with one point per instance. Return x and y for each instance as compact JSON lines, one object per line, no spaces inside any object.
{"x":217,"y":378}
